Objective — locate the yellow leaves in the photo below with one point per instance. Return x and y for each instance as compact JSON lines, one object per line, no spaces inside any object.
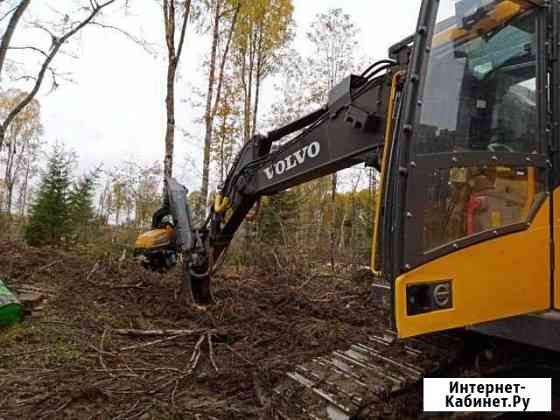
{"x":263,"y":25}
{"x":27,"y":123}
{"x":227,"y":129}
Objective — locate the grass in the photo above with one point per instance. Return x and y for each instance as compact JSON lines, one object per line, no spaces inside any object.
{"x":53,"y":344}
{"x":15,"y":334}
{"x":63,"y":353}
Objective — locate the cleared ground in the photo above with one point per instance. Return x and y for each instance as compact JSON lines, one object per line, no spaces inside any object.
{"x":71,"y":360}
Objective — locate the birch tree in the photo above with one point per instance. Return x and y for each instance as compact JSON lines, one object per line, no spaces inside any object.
{"x":21,"y":143}
{"x":333,"y":36}
{"x":225,"y":15}
{"x":227,"y":128}
{"x":175,"y":17}
{"x":265,"y":27}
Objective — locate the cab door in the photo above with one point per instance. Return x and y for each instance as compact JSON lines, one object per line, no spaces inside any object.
{"x":473,"y":233}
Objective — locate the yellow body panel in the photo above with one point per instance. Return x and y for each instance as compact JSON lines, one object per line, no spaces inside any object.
{"x":557,"y":248}
{"x":494,"y":279}
{"x":156,"y":238}
{"x":221,"y":203}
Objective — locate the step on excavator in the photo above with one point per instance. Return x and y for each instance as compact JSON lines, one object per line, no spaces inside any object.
{"x":462,"y":121}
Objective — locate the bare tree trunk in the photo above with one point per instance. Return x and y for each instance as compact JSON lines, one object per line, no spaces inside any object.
{"x":173,"y":56}
{"x":258,"y":77}
{"x":320,"y":235}
{"x":342,"y":239}
{"x":245,"y":87}
{"x":170,"y":125}
{"x":7,"y":37}
{"x":224,"y":58}
{"x":169,"y":18}
{"x":209,"y":117}
{"x":247,"y":108}
{"x":212,"y":110}
{"x":9,"y":175}
{"x":256,"y":104}
{"x":333,"y":221}
{"x":223,"y":154}
{"x":23,"y":190}
{"x":9,"y":198}
{"x":249,"y":92}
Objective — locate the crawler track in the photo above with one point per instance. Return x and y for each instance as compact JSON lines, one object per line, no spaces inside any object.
{"x":358,"y":382}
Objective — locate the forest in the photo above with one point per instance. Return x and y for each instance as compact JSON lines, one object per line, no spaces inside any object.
{"x":47,"y":198}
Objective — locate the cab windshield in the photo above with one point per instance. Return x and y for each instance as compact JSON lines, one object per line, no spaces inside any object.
{"x":479,"y":95}
{"x":480,"y":90}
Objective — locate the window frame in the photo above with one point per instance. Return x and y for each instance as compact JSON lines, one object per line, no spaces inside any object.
{"x":419,"y":165}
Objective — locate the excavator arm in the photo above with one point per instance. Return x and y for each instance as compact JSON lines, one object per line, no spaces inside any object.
{"x":348,"y":130}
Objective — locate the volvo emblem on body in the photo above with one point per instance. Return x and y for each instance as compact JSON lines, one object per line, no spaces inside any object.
{"x":294,"y":160}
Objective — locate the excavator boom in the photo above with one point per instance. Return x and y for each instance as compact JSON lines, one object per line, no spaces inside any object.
{"x":348,"y":130}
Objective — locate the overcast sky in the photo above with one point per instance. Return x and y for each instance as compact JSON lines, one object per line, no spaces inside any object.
{"x":115,"y":108}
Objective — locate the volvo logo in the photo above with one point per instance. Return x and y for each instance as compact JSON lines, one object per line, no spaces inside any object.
{"x":442,"y":294}
{"x":294,"y":160}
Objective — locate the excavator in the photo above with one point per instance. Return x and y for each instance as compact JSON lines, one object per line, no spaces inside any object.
{"x":462,"y":121}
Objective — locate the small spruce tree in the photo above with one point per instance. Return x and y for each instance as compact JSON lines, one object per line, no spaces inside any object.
{"x":49,"y":213}
{"x":81,"y":213}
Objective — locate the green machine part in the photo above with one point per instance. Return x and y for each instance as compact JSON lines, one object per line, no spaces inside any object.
{"x":10,"y":308}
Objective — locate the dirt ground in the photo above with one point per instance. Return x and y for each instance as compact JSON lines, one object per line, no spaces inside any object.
{"x":71,"y":361}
